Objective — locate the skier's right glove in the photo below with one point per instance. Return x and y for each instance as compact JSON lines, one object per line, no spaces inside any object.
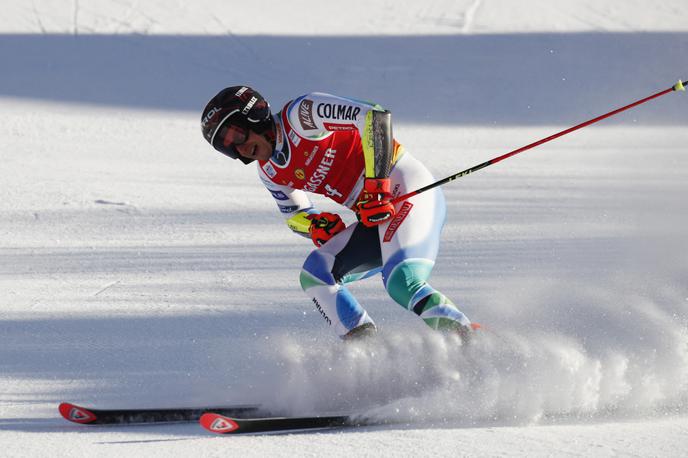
{"x":324,"y":226}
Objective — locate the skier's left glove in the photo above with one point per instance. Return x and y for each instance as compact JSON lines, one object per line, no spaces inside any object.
{"x":324,"y":226}
{"x":375,"y":204}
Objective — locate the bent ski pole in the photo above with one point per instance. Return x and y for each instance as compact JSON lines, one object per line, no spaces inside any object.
{"x":676,"y":87}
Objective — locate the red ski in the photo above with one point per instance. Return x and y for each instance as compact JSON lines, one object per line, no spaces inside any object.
{"x":89,"y":416}
{"x":222,"y":424}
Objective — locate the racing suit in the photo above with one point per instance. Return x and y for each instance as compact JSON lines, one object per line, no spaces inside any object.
{"x":320,"y":148}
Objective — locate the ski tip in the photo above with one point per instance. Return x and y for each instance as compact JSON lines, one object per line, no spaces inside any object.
{"x":76,"y":414}
{"x":679,"y":86}
{"x":218,"y":424}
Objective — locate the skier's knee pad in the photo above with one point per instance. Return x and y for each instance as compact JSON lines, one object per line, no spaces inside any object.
{"x":333,"y":301}
{"x":407,"y":283}
{"x":317,"y":270}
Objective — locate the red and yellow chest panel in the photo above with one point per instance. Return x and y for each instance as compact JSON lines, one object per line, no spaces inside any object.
{"x":329,"y":165}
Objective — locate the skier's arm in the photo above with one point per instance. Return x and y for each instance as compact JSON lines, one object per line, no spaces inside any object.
{"x":374,"y":206}
{"x":301,"y":217}
{"x":293,"y":204}
{"x":378,"y":144}
{"x":316,"y":115}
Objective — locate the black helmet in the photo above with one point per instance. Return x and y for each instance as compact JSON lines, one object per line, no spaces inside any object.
{"x":229,"y":116}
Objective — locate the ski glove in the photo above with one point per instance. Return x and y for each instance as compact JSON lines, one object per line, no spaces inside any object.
{"x":324,"y":226}
{"x":375,"y":207}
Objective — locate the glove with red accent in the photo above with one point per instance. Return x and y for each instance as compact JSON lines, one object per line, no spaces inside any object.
{"x":324,"y":226}
{"x":375,"y":204}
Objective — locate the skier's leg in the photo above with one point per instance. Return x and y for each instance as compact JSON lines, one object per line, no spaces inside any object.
{"x":350,"y":255}
{"x":409,"y":246}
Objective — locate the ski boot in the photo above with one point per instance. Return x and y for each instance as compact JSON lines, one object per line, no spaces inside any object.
{"x":362,"y":332}
{"x":467,"y":333}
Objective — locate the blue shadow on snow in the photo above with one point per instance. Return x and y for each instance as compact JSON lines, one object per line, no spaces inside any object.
{"x":508,"y":79}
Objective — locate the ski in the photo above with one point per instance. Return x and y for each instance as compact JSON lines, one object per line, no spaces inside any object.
{"x":89,"y":416}
{"x":217,"y":423}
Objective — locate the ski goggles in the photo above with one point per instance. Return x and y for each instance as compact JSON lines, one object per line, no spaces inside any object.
{"x":228,"y":136}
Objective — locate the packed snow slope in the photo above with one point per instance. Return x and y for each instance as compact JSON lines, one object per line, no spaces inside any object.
{"x":140,"y":268}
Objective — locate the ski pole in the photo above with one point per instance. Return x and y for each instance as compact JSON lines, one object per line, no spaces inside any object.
{"x":676,"y":87}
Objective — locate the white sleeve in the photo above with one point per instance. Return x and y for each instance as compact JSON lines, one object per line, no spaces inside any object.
{"x":290,"y":201}
{"x":317,"y":114}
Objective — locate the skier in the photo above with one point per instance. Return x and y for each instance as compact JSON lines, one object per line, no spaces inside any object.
{"x":343,"y":149}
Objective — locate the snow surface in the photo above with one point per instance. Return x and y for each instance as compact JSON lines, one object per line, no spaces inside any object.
{"x":141,"y":268}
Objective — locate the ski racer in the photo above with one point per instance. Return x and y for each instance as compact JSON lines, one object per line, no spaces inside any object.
{"x":343,"y":149}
